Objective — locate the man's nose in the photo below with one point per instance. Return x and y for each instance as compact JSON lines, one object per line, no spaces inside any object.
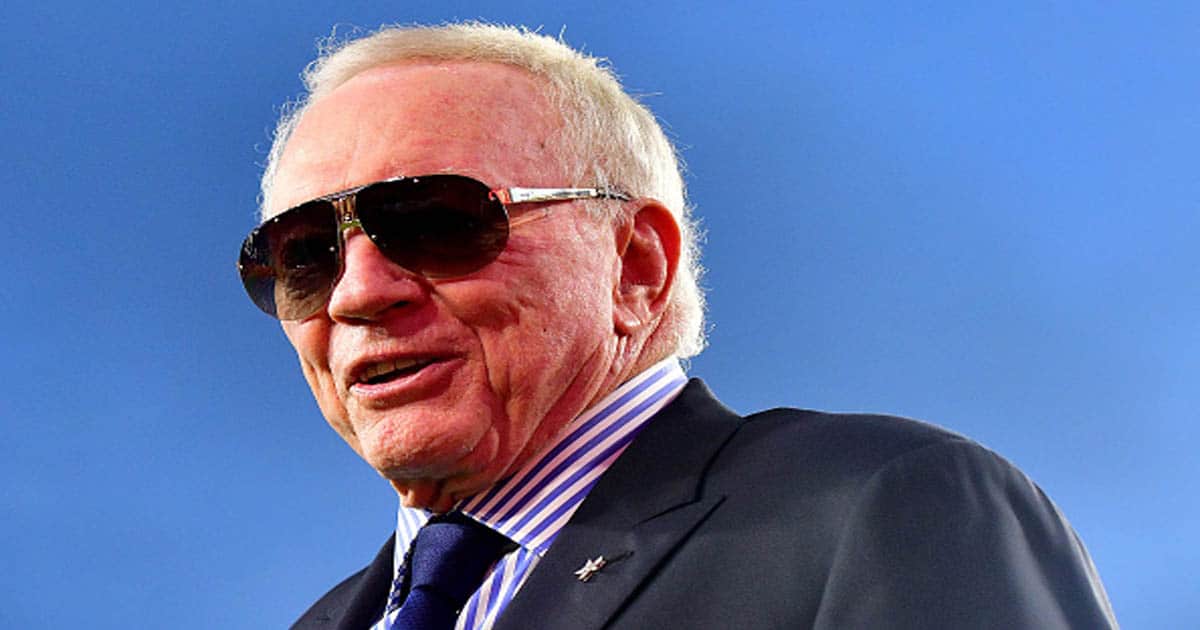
{"x":371,"y":283}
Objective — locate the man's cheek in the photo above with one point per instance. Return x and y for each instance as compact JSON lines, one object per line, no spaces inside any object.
{"x":339,"y":420}
{"x":494,"y":378}
{"x":324,"y":392}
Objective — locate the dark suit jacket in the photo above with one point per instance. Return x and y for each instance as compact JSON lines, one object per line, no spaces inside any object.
{"x":793,"y":519}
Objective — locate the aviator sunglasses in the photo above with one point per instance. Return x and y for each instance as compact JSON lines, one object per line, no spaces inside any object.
{"x":438,"y":226}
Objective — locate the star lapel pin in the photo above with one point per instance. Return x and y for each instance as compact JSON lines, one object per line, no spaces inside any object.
{"x":590,"y":568}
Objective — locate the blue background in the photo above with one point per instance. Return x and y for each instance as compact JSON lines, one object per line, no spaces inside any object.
{"x":981,"y":216}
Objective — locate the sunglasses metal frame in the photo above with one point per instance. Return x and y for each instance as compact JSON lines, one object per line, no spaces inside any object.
{"x":344,"y":206}
{"x":344,"y":201}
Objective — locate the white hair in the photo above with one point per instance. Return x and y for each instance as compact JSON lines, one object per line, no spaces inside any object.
{"x":608,"y":139}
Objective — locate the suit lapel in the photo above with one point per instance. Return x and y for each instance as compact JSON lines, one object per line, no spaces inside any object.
{"x":644,"y":506}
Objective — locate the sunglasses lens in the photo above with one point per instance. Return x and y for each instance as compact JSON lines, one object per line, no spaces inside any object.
{"x":438,"y":225}
{"x":290,"y":263}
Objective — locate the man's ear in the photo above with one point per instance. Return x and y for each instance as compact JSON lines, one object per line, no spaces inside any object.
{"x":648,"y":246}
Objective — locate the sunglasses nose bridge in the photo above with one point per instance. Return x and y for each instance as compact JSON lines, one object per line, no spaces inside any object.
{"x":347,"y":217}
{"x":344,"y":209}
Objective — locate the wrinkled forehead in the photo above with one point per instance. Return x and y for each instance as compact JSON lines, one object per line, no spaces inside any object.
{"x":490,"y":121}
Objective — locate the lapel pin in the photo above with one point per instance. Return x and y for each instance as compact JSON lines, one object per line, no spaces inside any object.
{"x":590,"y":568}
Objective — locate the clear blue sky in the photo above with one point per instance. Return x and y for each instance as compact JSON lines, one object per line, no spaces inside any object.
{"x":984,"y":215}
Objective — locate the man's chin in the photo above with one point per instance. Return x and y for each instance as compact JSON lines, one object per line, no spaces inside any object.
{"x":437,"y":495}
{"x":431,"y":485}
{"x":428,"y":495}
{"x":436,"y":476}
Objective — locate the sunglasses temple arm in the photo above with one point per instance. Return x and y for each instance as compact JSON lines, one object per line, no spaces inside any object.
{"x":538,"y":195}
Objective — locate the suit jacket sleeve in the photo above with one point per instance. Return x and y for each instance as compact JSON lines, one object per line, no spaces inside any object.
{"x":953,"y":536}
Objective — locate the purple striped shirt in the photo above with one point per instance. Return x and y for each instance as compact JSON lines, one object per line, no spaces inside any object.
{"x":533,"y":505}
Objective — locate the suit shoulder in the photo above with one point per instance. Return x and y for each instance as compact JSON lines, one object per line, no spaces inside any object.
{"x":869,"y":441}
{"x":785,"y":451}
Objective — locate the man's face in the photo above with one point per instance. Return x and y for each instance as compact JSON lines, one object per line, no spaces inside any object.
{"x":478,"y":372}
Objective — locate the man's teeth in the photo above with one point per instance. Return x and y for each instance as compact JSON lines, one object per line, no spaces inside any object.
{"x":387,"y":367}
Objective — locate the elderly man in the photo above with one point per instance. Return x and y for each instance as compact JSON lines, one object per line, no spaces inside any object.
{"x":479,"y":247}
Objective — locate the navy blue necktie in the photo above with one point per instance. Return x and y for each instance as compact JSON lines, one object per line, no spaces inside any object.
{"x":447,"y":563}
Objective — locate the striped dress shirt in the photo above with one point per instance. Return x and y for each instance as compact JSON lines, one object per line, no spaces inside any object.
{"x":531,"y":507}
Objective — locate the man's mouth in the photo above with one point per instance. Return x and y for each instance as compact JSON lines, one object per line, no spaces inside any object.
{"x":386,"y":371}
